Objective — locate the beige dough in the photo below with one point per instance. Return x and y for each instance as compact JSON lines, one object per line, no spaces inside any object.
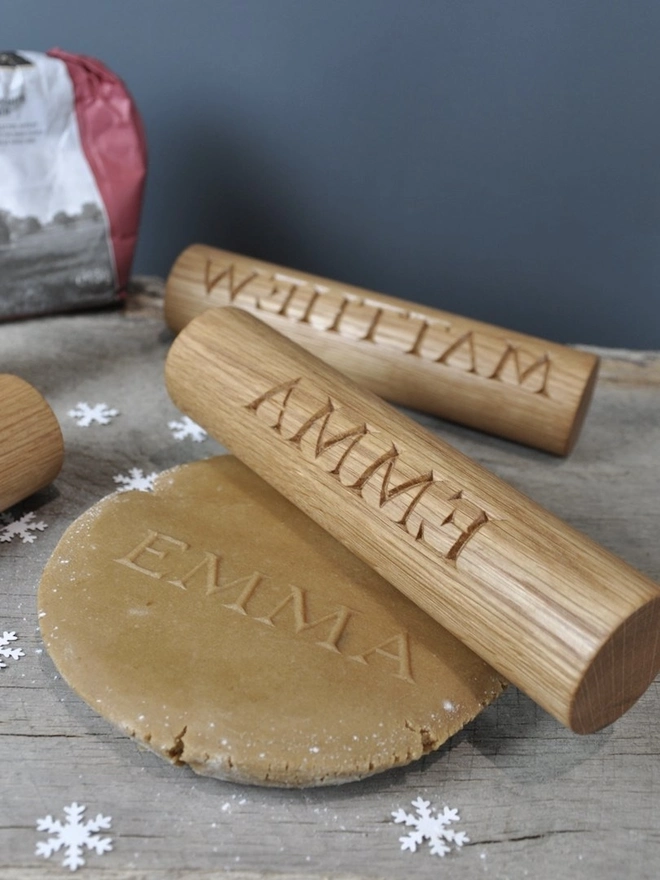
{"x":217,"y":624}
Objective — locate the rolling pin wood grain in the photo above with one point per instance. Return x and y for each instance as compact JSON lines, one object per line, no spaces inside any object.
{"x":495,"y":380}
{"x":31,"y":445}
{"x":571,"y":624}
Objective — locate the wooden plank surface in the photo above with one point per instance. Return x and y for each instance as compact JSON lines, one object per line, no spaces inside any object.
{"x":535,"y":800}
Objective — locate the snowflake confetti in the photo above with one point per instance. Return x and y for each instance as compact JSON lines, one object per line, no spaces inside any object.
{"x":73,"y":835}
{"x":432,"y":828}
{"x":86,"y":415}
{"x":135,"y":479}
{"x":23,"y":528}
{"x":9,"y":653}
{"x":185,"y":427}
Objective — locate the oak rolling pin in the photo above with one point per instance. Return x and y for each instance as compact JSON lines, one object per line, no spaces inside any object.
{"x":476,"y":374}
{"x":568,"y":622}
{"x":31,"y":445}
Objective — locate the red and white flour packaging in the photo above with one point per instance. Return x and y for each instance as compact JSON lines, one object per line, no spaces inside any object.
{"x":73,"y":162}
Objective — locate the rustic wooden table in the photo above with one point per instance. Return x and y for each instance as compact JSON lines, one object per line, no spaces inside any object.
{"x":535,"y":800}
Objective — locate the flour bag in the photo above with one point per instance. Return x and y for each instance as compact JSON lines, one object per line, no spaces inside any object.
{"x":72,"y":171}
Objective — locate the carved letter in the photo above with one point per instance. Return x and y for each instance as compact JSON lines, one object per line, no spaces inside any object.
{"x":282,"y":391}
{"x":277,"y":301}
{"x":415,"y":348}
{"x":233,"y":288}
{"x":371,"y":330}
{"x":387,"y":492}
{"x":511,"y":355}
{"x":401,"y":655}
{"x":212,"y":564}
{"x":450,"y":537}
{"x":324,"y":443}
{"x":309,"y":308}
{"x":146,"y":547}
{"x":297,"y":599}
{"x":466,"y":342}
{"x":335,"y":327}
{"x":251,"y":584}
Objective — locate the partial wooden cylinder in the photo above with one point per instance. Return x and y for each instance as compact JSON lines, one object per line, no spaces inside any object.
{"x":31,"y":445}
{"x":565,"y":620}
{"x":505,"y":383}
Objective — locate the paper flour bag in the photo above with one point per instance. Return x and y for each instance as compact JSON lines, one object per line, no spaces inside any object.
{"x":72,"y":171}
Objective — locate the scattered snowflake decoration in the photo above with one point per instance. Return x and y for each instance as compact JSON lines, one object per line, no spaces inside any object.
{"x":73,"y":835}
{"x":428,"y":827}
{"x":9,"y":653}
{"x":135,"y":479}
{"x":86,"y":415}
{"x":185,"y":427}
{"x":24,"y":528}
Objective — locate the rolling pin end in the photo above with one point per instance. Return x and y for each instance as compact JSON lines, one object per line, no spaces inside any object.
{"x":31,"y":443}
{"x":620,"y":673}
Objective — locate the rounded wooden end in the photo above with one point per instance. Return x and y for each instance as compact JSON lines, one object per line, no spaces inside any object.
{"x":582,"y":407}
{"x":183,"y":297}
{"x":621,"y":671}
{"x":31,"y":443}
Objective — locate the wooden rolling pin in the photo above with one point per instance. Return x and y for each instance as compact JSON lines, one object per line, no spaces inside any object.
{"x":495,"y":380}
{"x":31,"y":445}
{"x":565,"y":620}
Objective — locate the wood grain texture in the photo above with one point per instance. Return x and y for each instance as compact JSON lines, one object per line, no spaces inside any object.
{"x":496,"y":380}
{"x":31,"y":446}
{"x":536,"y":800}
{"x":566,"y":621}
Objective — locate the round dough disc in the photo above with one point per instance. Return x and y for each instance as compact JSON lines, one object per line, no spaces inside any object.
{"x":221,"y":627}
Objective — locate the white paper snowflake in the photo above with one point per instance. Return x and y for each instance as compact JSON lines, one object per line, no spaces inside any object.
{"x":23,"y":528}
{"x":9,"y":653}
{"x":73,"y":836}
{"x":135,"y":479}
{"x":429,"y":827}
{"x":86,"y":415}
{"x":185,"y":427}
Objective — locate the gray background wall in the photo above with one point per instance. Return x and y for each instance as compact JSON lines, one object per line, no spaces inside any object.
{"x":493,"y":158}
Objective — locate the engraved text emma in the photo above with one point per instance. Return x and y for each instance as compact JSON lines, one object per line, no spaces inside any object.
{"x":257,"y":596}
{"x":434,"y":511}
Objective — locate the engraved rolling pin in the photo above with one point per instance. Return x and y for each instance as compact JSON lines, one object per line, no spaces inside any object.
{"x":31,"y":446}
{"x":565,"y":620}
{"x":486,"y":377}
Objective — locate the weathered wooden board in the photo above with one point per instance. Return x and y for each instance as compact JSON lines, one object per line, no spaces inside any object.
{"x":536,"y":800}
